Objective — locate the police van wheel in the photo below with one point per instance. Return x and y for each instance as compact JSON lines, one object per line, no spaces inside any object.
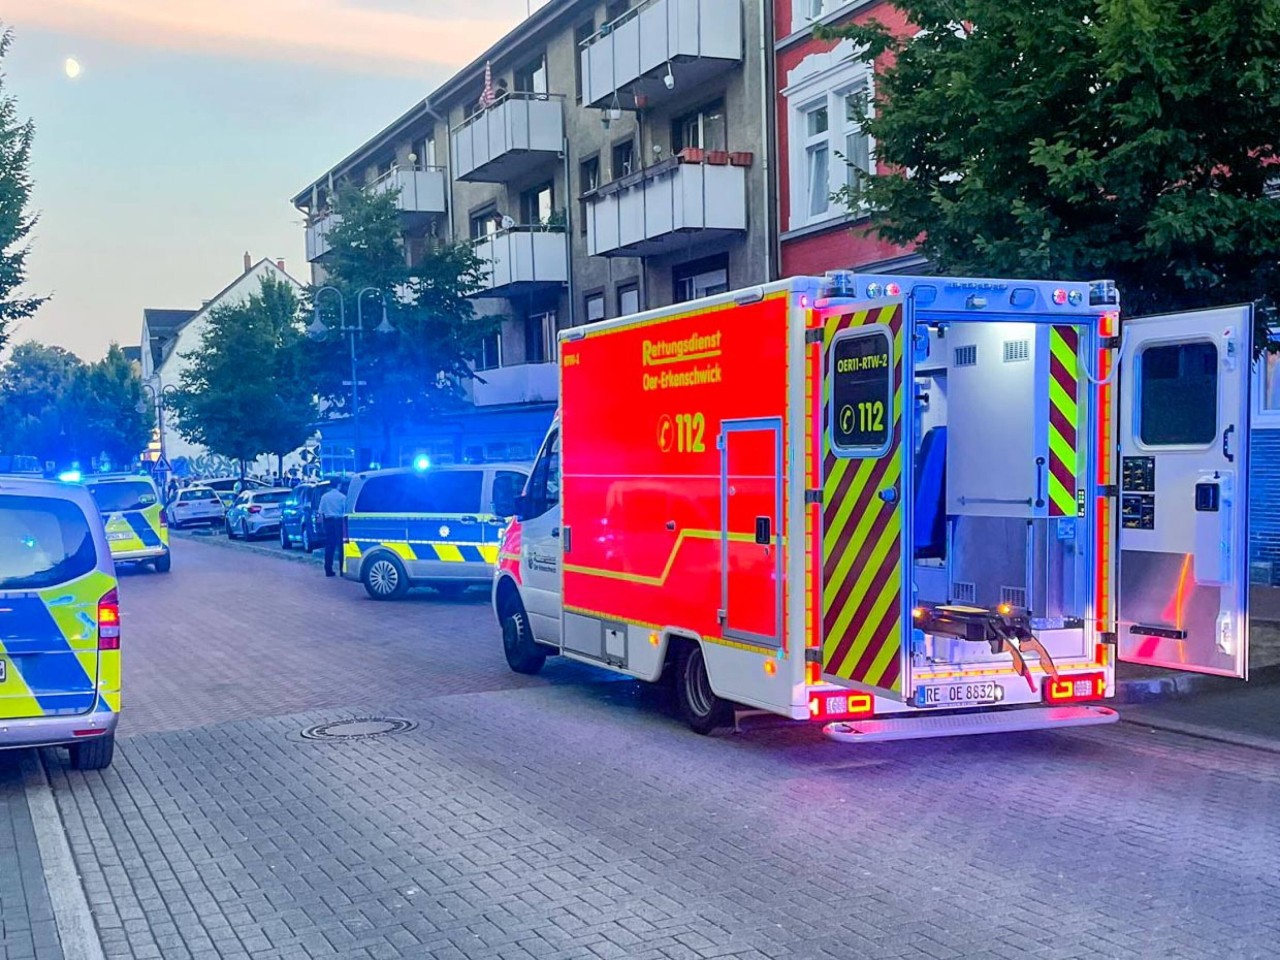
{"x":164,"y":564}
{"x":522,"y":651}
{"x":285,"y":542}
{"x":95,"y":754}
{"x":384,"y":578}
{"x":701,"y":709}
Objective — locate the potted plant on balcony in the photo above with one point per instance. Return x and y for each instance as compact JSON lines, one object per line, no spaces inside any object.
{"x":556,"y":220}
{"x":741,"y":158}
{"x":692,"y":155}
{"x":718,"y":157}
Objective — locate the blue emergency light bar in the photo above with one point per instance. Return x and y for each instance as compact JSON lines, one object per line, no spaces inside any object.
{"x":976,"y":295}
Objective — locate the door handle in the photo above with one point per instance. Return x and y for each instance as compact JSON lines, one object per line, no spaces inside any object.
{"x":1039,"y":482}
{"x":555,"y":531}
{"x":1226,"y":443}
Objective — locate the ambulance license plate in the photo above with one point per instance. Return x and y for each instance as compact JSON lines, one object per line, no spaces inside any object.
{"x":958,"y":694}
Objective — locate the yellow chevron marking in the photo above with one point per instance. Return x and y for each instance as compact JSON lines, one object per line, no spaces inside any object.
{"x":448,"y":552}
{"x":489,"y":551}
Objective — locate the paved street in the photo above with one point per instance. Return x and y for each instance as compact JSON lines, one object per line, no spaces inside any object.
{"x":571,"y":815}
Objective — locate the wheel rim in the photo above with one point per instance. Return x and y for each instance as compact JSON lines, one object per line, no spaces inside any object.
{"x":697,"y":685}
{"x":383,"y":577}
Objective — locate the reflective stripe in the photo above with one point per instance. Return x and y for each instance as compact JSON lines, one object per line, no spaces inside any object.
{"x":142,"y":529}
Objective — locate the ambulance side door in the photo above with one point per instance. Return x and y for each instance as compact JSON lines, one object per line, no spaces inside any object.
{"x":1183,"y":582}
{"x":541,"y":543}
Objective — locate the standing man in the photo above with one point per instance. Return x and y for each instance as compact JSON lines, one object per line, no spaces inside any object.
{"x":332,"y":507}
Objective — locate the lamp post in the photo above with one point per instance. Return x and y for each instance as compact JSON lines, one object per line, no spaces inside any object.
{"x":319,"y":330}
{"x":157,"y":402}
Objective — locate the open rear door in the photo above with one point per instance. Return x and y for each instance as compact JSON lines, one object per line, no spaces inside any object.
{"x":1184,"y":468}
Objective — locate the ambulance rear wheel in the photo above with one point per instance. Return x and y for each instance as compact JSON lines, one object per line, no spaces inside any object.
{"x":522,"y":651}
{"x":95,"y":754}
{"x":384,"y":578}
{"x":701,"y":709}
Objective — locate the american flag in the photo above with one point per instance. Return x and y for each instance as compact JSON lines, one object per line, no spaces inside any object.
{"x":487,"y":96}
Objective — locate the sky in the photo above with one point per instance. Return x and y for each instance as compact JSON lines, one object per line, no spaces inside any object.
{"x":191,"y":125}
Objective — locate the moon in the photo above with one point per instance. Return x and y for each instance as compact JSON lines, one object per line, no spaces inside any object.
{"x":71,"y":67}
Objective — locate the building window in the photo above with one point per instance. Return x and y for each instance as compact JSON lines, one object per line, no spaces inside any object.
{"x":595,"y":307}
{"x":700,"y":278}
{"x":489,"y":356}
{"x":623,"y":159}
{"x":532,"y":77}
{"x":705,"y":128}
{"x":537,"y":204}
{"x":588,"y":180}
{"x":628,"y":299}
{"x":484,"y":223}
{"x":1266,"y":390}
{"x":829,"y":149}
{"x":427,"y":153}
{"x":540,"y":338}
{"x":581,"y":33}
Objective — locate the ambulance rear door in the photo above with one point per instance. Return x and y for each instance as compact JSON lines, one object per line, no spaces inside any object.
{"x":1183,"y":497}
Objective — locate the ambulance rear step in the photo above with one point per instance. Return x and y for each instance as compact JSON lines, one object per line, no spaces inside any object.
{"x":964,"y":724}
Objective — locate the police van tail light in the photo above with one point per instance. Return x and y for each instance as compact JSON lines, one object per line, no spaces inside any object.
{"x":109,"y":621}
{"x":1073,"y":689}
{"x":164,"y":520}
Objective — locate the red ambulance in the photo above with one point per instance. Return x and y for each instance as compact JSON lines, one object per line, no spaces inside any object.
{"x":901,"y":506}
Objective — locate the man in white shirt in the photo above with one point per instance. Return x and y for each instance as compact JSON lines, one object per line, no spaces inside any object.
{"x":333,"y":506}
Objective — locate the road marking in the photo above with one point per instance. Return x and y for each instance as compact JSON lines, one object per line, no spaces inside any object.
{"x":71,"y":912}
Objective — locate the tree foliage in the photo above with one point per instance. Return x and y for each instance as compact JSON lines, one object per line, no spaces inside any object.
{"x":417,"y":370}
{"x":247,"y":390}
{"x":57,"y":408}
{"x":1129,"y":139}
{"x":16,"y":221}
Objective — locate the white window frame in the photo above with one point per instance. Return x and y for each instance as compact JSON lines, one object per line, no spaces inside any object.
{"x":823,"y":78}
{"x":803,"y":14}
{"x":497,"y":335}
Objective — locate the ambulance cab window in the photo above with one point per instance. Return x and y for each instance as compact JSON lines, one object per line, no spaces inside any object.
{"x":544,"y":485}
{"x":1178,"y":394}
{"x":507,"y":485}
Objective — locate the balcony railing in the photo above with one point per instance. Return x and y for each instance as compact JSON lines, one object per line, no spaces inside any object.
{"x":660,"y":49}
{"x":318,"y":234}
{"x":521,"y":259}
{"x":655,"y":211}
{"x":422,"y":190}
{"x":520,"y":383}
{"x":502,"y":140}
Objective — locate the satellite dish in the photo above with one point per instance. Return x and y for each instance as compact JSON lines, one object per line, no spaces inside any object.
{"x":508,"y":221}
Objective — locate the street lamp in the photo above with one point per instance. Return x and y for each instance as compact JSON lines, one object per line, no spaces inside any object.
{"x":157,"y":401}
{"x":318,"y":330}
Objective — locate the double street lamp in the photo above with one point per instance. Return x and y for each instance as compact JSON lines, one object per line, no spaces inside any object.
{"x":157,"y":396}
{"x":319,"y":330}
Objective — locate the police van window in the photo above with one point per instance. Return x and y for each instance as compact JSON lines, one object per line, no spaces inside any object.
{"x":1178,"y":394}
{"x":122,"y":495}
{"x":43,"y":543}
{"x":544,"y":484}
{"x":444,"y":491}
{"x":860,"y":401}
{"x":507,"y":485}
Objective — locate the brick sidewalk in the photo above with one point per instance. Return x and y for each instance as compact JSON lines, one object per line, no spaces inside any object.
{"x":27,"y":927}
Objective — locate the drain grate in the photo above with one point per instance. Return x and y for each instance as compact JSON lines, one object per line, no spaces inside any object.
{"x":358,"y":728}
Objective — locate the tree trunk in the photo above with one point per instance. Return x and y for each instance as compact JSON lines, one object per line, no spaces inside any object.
{"x":280,"y":465}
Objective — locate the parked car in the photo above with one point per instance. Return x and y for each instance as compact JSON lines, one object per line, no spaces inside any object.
{"x":196,"y":505}
{"x":300,"y":517}
{"x":225,"y":487}
{"x":255,"y":513}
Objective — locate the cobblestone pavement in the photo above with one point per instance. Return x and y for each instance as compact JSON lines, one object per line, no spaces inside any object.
{"x":561,"y":816}
{"x":27,"y":927}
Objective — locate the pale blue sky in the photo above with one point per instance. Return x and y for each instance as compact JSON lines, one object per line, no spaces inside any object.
{"x":179,"y":145}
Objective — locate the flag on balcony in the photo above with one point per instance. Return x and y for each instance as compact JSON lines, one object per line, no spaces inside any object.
{"x":487,"y":97}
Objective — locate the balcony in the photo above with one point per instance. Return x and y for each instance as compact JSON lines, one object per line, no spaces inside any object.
{"x":655,"y":211}
{"x":318,"y":235}
{"x":503,"y":140}
{"x":523,"y":259}
{"x":521,"y":383}
{"x":659,"y":50}
{"x":422,"y":192}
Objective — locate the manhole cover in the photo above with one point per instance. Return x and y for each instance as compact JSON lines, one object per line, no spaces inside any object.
{"x":358,"y":728}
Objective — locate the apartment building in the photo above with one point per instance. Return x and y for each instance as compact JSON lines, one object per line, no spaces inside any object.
{"x":620,"y":164}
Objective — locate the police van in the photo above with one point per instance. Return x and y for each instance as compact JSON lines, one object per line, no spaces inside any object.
{"x":59,"y":623}
{"x":426,"y":526}
{"x":134,"y":518}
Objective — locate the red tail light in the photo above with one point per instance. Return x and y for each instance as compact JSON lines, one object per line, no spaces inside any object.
{"x":109,"y":620}
{"x":255,"y":509}
{"x":836,"y":705}
{"x":164,"y":519}
{"x":1073,"y":689}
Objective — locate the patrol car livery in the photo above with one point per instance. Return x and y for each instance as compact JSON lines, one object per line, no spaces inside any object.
{"x":136,"y":525}
{"x":427,"y":526}
{"x":891,"y":504}
{"x":59,"y":623}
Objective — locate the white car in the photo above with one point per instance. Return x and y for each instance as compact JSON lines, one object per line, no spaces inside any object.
{"x":195,"y":505}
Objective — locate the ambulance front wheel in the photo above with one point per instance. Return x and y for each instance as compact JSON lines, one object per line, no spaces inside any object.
{"x":701,"y":709}
{"x":522,"y":651}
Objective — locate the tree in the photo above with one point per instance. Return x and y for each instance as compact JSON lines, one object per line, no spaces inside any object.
{"x":417,"y":371}
{"x":1083,"y":139}
{"x":247,"y":391}
{"x":16,"y":222}
{"x":35,"y":384}
{"x":108,"y":411}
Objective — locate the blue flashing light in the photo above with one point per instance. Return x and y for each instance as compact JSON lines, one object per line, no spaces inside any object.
{"x":69,"y":476}
{"x":421,"y":462}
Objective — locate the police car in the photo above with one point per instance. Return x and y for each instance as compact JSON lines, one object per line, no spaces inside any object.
{"x":438,"y":527}
{"x":136,"y":526}
{"x":59,"y":623}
